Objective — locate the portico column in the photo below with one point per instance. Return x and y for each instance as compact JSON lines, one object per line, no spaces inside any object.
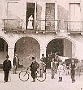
{"x":11,"y":54}
{"x":42,"y":51}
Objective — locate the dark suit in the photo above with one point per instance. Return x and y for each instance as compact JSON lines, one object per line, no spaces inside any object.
{"x":6,"y":69}
{"x":34,"y":66}
{"x":73,"y":72}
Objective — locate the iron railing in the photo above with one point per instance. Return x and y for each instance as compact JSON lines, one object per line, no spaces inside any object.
{"x":39,"y":25}
{"x":48,"y":25}
{"x":74,"y":26}
{"x":12,"y":24}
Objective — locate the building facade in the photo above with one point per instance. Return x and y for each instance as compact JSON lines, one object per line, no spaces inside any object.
{"x":36,"y":27}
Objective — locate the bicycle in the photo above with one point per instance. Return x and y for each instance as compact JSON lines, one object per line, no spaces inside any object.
{"x":25,"y":74}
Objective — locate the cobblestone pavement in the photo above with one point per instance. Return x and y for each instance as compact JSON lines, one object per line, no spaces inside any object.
{"x":49,"y":84}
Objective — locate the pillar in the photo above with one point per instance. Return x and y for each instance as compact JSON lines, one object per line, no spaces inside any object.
{"x":42,"y":51}
{"x":43,"y":16}
{"x":11,"y":53}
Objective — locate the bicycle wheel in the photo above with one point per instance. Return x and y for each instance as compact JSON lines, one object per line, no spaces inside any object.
{"x":41,"y":77}
{"x":23,"y":76}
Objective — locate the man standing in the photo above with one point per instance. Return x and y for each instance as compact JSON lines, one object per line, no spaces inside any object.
{"x":73,"y":70}
{"x":53,"y":68}
{"x":45,"y":61}
{"x":6,"y":68}
{"x":33,"y":67}
{"x":15,"y":63}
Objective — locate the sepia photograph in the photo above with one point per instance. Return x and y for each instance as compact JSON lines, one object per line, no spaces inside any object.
{"x":41,"y":44}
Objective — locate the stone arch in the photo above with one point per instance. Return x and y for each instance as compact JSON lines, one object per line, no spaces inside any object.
{"x":26,"y":36}
{"x":3,"y":49}
{"x":26,"y":48}
{"x":68,"y":38}
{"x":4,"y":39}
{"x":63,"y":37}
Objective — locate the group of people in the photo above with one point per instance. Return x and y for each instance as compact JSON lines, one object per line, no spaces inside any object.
{"x":33,"y":67}
{"x":56,"y":67}
{"x":38,"y":65}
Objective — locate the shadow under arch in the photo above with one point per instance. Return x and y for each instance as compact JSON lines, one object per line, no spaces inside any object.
{"x":4,"y":39}
{"x":68,"y":38}
{"x":3,"y":50}
{"x":61,"y":45}
{"x":26,"y":47}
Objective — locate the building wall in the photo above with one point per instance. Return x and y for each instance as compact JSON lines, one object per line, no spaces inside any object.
{"x":62,"y":12}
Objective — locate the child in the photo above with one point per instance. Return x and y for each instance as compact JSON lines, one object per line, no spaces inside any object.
{"x":41,"y":67}
{"x":60,"y":71}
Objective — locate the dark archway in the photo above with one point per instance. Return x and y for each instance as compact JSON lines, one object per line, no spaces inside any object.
{"x":3,"y":51}
{"x":63,"y":47}
{"x":56,"y":45}
{"x":27,"y":47}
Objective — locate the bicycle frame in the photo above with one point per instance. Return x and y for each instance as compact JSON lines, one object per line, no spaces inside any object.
{"x":24,"y":75}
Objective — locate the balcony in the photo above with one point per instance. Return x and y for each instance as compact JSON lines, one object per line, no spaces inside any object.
{"x":47,"y":26}
{"x":40,"y":26}
{"x":12,"y":25}
{"x":74,"y":27}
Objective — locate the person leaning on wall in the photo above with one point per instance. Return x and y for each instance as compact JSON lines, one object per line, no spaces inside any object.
{"x":15,"y":63}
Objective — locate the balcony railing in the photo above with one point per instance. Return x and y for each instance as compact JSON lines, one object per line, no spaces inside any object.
{"x":48,"y":25}
{"x":74,"y":26}
{"x":11,"y":25}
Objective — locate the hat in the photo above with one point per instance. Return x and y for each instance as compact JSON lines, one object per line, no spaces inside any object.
{"x":42,"y":54}
{"x":33,"y":58}
{"x":7,"y":56}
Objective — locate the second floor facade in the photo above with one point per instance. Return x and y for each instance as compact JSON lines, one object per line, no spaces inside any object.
{"x":41,"y":16}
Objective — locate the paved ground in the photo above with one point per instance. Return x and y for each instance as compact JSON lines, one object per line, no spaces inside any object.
{"x":48,"y":84}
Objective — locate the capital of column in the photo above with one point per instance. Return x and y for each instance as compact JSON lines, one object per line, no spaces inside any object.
{"x":10,"y":48}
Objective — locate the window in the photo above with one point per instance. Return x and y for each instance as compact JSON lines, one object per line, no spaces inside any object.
{"x":75,"y":13}
{"x":50,"y":16}
{"x":75,"y":16}
{"x":13,"y":10}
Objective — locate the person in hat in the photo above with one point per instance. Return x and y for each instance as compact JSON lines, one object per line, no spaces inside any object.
{"x":15,"y":63}
{"x":73,"y":67}
{"x":33,"y":68}
{"x":6,"y":68}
